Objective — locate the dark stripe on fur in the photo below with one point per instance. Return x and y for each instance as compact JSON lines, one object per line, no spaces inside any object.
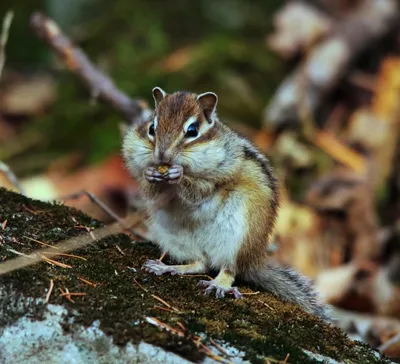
{"x":251,"y":154}
{"x":266,"y":168}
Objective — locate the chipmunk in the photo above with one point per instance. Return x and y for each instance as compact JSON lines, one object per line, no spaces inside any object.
{"x":212,"y":199}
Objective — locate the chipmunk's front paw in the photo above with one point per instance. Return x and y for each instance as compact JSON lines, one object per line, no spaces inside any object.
{"x":158,"y":268}
{"x":220,"y":290}
{"x":174,"y":174}
{"x":152,"y":175}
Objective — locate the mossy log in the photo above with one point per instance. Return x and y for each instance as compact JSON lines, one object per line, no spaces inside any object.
{"x":117,"y":313}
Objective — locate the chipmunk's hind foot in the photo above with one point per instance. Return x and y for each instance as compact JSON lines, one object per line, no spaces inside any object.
{"x":222,"y":284}
{"x":219,"y":290}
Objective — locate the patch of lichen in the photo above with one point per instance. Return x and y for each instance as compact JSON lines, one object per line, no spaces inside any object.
{"x":124,"y":295}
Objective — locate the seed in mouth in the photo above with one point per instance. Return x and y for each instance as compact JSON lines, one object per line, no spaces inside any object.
{"x":162,"y":169}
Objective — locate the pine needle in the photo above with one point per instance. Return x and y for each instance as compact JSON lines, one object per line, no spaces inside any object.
{"x":50,"y":290}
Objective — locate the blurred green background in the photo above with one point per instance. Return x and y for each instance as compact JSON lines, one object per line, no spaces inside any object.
{"x":198,"y":46}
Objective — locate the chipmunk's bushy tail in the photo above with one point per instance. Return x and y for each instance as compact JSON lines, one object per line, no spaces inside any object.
{"x":289,"y":285}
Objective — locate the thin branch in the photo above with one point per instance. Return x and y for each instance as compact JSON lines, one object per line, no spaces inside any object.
{"x":11,"y":176}
{"x":77,"y":62}
{"x":389,"y":343}
{"x":49,"y":291}
{"x":106,"y":209}
{"x":63,"y":247}
{"x":4,"y":37}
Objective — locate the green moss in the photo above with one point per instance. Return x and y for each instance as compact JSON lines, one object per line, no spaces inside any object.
{"x":122,"y":297}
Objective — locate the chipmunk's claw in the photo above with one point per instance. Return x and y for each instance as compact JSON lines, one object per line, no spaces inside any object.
{"x":219,"y":290}
{"x":152,"y":175}
{"x":158,"y":268}
{"x":174,"y":174}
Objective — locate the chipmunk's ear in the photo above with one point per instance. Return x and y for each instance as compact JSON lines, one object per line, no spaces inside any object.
{"x":208,"y":102}
{"x":158,"y":94}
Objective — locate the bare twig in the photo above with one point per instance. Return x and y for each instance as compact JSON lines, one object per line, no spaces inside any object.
{"x":73,"y":294}
{"x":19,"y":253}
{"x":156,"y":322}
{"x":106,"y":209}
{"x":266,"y":304}
{"x":180,"y":324}
{"x":50,"y":290}
{"x":67,"y":255}
{"x":63,"y":247}
{"x":163,"y":309}
{"x":389,"y":343}
{"x":39,"y":242}
{"x":210,"y":353}
{"x":220,"y":348}
{"x":165,"y":303}
{"x":9,"y":173}
{"x":197,"y":275}
{"x":66,"y":294}
{"x":120,"y":250}
{"x":88,"y":282}
{"x":78,"y":63}
{"x":4,"y":37}
{"x":250,"y":293}
{"x":54,"y":262}
{"x":272,"y":360}
{"x":140,"y":286}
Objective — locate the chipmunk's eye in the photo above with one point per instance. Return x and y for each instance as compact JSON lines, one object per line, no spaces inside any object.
{"x":193,"y":130}
{"x":152,"y":130}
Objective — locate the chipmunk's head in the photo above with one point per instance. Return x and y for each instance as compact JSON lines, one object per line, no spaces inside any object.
{"x":182,"y":131}
{"x":182,"y":128}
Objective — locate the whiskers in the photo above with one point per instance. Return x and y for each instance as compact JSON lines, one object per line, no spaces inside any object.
{"x":144,"y":153}
{"x":141,"y":149}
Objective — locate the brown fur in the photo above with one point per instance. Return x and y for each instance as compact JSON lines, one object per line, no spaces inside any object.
{"x":142,"y":130}
{"x":173,"y":112}
{"x":261,"y":219}
{"x":261,"y":222}
{"x":229,"y":166}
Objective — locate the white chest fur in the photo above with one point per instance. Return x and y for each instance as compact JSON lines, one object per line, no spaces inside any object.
{"x":212,"y":232}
